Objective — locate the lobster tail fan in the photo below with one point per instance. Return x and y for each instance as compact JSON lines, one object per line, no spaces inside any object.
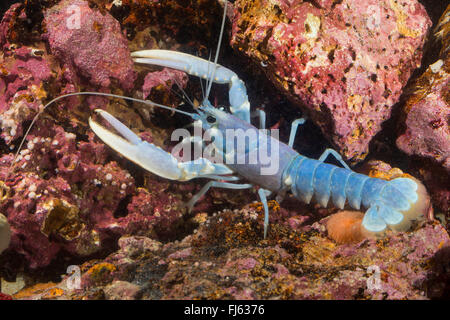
{"x":379,"y":216}
{"x":400,"y":202}
{"x":372,"y":220}
{"x":420,"y":204}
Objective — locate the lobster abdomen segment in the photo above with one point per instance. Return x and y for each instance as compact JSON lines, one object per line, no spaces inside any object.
{"x":322,"y":180}
{"x":387,"y":201}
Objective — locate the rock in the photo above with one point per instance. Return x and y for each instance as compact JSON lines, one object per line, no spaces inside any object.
{"x":121,"y":290}
{"x":74,"y":207}
{"x":163,"y":81}
{"x":228,"y":259}
{"x":25,"y":71}
{"x":89,"y":43}
{"x":345,"y":63}
{"x":63,"y":195}
{"x":427,"y":111}
{"x":425,"y":127}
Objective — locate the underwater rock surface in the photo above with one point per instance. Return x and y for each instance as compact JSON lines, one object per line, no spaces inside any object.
{"x":71,"y":198}
{"x":226,"y":259}
{"x":427,"y":132}
{"x":345,"y":63}
{"x":89,"y":42}
{"x":425,"y":119}
{"x":63,"y":194}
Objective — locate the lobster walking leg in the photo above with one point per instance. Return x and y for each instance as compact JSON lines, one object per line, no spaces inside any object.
{"x":336,"y":155}
{"x":263,"y":193}
{"x":325,"y":154}
{"x":215,"y":184}
{"x":262,"y":118}
{"x":294,"y":127}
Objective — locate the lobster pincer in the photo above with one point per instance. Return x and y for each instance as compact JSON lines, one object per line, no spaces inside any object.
{"x":195,"y":66}
{"x":152,"y":157}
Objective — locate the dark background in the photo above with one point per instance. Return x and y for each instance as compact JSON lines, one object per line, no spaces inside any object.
{"x":5,"y":4}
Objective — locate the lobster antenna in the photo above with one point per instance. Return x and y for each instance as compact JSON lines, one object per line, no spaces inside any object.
{"x":217,"y":51}
{"x":201,"y":81}
{"x":85,"y":93}
{"x":184,"y":95}
{"x":207,"y":79}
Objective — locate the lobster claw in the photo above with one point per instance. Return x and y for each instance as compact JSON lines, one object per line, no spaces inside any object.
{"x":151,"y":157}
{"x":195,"y":66}
{"x":144,"y":154}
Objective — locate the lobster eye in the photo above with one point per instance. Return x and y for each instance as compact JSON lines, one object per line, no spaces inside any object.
{"x":211,"y":119}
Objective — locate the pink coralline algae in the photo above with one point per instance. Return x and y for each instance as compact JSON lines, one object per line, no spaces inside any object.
{"x":89,"y":44}
{"x":344,"y":62}
{"x":72,"y":199}
{"x":425,"y":131}
{"x":428,"y":133}
{"x":24,"y":71}
{"x":165,"y":80}
{"x":54,"y":199}
{"x":64,"y":195}
{"x":427,"y":109}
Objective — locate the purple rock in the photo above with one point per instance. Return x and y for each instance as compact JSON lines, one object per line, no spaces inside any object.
{"x":90,"y":43}
{"x":427,"y":131}
{"x":344,"y":62}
